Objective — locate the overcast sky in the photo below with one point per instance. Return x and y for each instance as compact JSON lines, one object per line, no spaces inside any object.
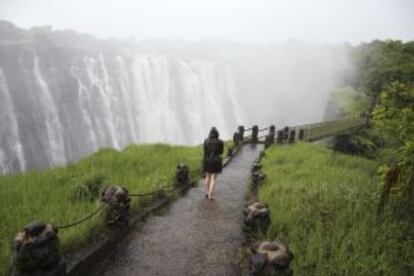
{"x":239,"y":20}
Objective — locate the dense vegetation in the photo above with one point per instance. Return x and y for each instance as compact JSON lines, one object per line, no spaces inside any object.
{"x":323,"y":204}
{"x":383,"y":88}
{"x":63,"y":195}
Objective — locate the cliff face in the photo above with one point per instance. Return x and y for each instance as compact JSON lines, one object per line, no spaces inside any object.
{"x":64,"y":95}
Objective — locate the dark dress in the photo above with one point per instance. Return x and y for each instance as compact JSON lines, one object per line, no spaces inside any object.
{"x":212,"y":162}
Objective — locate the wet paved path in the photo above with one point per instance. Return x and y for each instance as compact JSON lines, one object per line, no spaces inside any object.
{"x":196,"y":236}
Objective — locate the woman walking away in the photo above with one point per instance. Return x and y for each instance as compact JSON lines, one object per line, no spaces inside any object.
{"x":212,"y":162}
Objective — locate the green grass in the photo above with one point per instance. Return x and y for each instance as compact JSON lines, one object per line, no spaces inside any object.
{"x":323,"y":204}
{"x":48,"y":195}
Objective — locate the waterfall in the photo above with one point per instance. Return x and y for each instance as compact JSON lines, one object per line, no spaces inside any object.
{"x":52,"y":137}
{"x":76,"y":105}
{"x":11,"y":150}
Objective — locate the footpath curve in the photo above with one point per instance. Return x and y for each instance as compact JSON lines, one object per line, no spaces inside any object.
{"x":195,"y":236}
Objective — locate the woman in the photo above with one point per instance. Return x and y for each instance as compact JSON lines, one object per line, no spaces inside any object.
{"x":212,"y":162}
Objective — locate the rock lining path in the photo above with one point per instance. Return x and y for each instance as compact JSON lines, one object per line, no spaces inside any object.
{"x":195,"y":236}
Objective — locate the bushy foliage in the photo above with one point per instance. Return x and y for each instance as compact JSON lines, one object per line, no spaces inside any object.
{"x":380,"y":63}
{"x":393,"y":120}
{"x":89,"y":189}
{"x":385,"y":75}
{"x":377,"y":65}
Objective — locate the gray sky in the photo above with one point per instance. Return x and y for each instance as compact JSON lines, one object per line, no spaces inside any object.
{"x":239,"y":20}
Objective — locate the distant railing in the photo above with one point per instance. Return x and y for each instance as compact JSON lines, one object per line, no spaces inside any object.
{"x":305,"y":132}
{"x":316,"y":131}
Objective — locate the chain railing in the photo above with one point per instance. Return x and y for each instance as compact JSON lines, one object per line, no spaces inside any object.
{"x":38,"y":243}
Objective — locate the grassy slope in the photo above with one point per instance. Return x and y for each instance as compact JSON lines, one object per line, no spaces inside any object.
{"x":47,"y":195}
{"x":323,"y":205}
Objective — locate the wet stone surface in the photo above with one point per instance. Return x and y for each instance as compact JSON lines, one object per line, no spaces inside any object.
{"x":196,"y":236}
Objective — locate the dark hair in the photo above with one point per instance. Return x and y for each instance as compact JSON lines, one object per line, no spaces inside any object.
{"x":213,"y":133}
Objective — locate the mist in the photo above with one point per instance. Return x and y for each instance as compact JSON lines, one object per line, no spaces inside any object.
{"x":316,"y":21}
{"x":276,"y":83}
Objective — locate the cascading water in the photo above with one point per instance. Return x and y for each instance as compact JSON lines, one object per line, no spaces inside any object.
{"x":88,"y":102}
{"x":64,"y":95}
{"x":52,"y":138}
{"x":11,"y":151}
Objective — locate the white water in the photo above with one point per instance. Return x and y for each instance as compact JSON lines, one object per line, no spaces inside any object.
{"x":106,"y":101}
{"x":52,"y":140}
{"x":158,"y":100}
{"x":11,"y":151}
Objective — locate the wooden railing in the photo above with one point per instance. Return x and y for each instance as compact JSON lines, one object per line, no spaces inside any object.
{"x":316,"y":131}
{"x":289,"y":134}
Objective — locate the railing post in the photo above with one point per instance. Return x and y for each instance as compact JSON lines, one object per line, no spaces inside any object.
{"x":241,"y":132}
{"x":272,"y":130}
{"x":36,"y":251}
{"x":255,"y":133}
{"x":270,"y":258}
{"x":285,"y":134}
{"x":301,"y":134}
{"x":270,"y":138}
{"x":117,"y":200}
{"x":236,"y":139}
{"x":292,"y":136}
{"x":182,"y":176}
{"x":279,"y":138}
{"x":256,"y":219}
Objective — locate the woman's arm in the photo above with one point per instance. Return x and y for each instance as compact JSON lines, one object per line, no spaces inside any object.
{"x":221,"y":147}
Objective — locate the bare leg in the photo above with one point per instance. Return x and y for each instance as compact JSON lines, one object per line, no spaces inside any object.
{"x":212,"y":182}
{"x":207,"y":181}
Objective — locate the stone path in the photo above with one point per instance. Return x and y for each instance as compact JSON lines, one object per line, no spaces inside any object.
{"x":196,"y":236}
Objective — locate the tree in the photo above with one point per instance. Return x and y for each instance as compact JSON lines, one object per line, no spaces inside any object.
{"x":393,"y":121}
